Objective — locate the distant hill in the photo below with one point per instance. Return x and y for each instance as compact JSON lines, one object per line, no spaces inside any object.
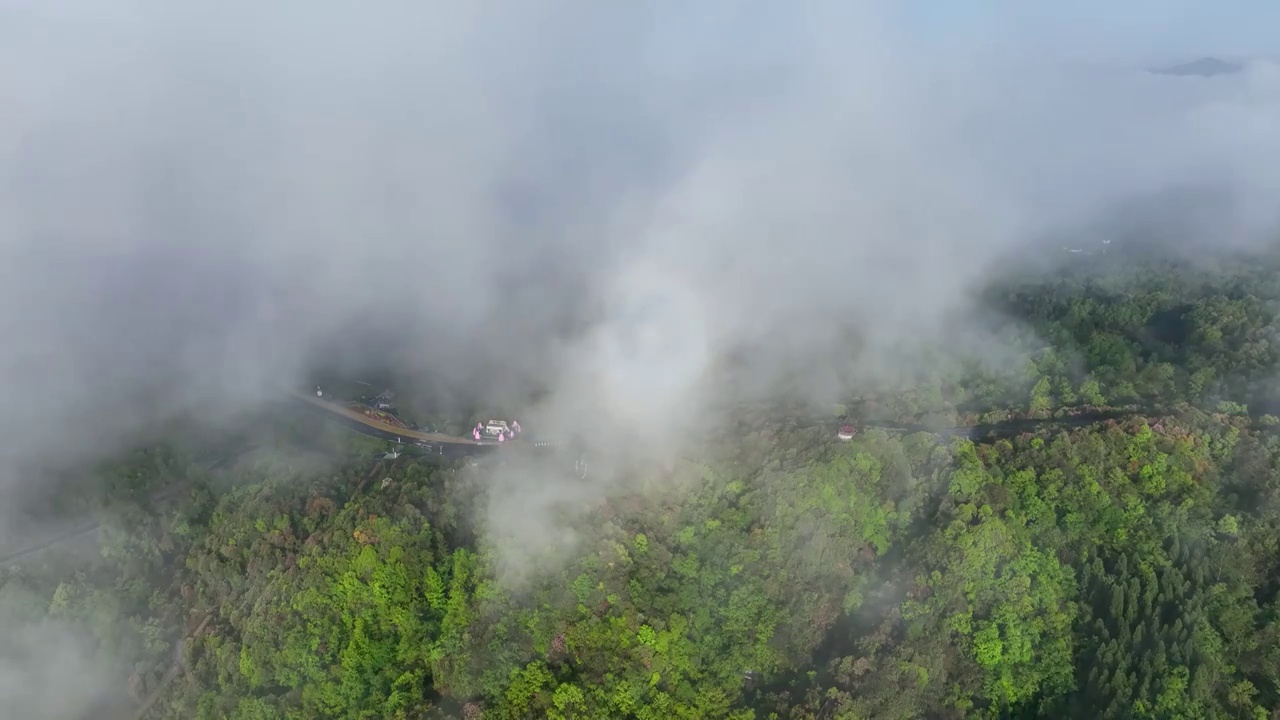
{"x":1204,"y":67}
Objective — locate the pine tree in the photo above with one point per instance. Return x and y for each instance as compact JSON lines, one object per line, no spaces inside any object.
{"x":1160,"y":661}
{"x":1117,"y":605}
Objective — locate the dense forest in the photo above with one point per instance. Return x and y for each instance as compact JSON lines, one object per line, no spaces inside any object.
{"x":1126,"y":567}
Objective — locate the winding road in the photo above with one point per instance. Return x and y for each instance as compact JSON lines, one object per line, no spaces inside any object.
{"x":437,"y":444}
{"x":433,"y":443}
{"x":1002,"y":428}
{"x":93,"y":525}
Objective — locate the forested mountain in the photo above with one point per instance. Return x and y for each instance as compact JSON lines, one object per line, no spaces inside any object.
{"x":1113,"y":568}
{"x":1202,"y":67}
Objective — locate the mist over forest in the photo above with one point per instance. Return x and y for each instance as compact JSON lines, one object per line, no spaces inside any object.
{"x":857,"y":374}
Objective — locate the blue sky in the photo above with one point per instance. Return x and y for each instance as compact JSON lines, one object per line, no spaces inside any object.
{"x":1131,"y":30}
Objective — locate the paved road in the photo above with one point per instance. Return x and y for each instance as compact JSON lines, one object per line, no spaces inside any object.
{"x":93,"y":526}
{"x":432,"y":443}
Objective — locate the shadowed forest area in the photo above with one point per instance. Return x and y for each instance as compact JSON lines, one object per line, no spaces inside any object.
{"x":1120,"y":568}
